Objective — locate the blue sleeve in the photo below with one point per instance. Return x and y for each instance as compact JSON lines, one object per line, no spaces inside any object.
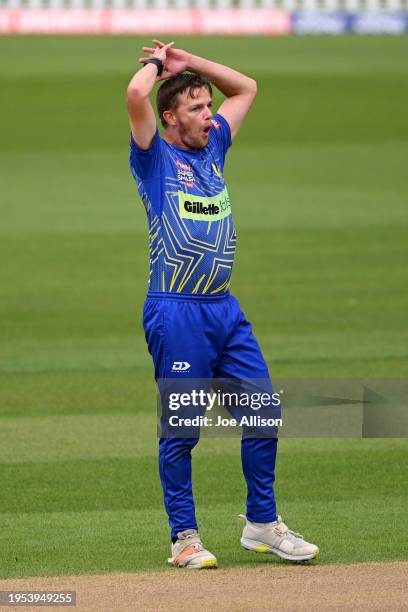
{"x":146,"y":163}
{"x":221,"y":136}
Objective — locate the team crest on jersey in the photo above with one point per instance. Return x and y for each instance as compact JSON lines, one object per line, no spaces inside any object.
{"x":185,"y":173}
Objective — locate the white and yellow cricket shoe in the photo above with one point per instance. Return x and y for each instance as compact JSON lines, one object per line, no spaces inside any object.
{"x":189,"y":552}
{"x":277,"y":539}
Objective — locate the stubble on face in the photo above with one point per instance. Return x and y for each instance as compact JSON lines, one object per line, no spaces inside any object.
{"x":188,"y":136}
{"x":194,"y":131}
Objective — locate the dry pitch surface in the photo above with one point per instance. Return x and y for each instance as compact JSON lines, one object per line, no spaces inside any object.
{"x":364,"y":586}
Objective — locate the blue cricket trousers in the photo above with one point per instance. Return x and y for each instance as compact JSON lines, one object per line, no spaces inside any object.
{"x":211,"y":335}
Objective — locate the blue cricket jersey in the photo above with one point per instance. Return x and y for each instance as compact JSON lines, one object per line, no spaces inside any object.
{"x":191,"y":232}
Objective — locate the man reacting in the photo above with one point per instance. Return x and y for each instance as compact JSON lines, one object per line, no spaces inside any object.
{"x":193,"y":326}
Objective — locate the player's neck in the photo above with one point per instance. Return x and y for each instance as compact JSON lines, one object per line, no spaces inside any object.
{"x":173,"y":138}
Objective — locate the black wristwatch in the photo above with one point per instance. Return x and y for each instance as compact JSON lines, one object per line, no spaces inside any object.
{"x":156,"y":62}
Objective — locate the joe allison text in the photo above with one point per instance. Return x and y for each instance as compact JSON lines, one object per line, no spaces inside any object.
{"x":205,"y":421}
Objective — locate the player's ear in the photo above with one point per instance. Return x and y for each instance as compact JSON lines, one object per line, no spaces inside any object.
{"x":169,"y":118}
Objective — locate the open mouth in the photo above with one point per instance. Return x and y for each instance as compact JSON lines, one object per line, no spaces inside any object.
{"x":207,"y":130}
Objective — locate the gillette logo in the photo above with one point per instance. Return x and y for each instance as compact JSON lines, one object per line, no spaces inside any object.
{"x":200,"y":209}
{"x":204,"y":208}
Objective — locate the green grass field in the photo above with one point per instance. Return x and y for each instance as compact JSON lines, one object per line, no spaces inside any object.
{"x":318,"y":182}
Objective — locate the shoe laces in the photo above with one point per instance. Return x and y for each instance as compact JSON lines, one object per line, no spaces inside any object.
{"x":197,"y":545}
{"x":286,"y":529}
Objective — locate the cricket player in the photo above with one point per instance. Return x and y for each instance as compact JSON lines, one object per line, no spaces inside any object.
{"x":193,"y":326}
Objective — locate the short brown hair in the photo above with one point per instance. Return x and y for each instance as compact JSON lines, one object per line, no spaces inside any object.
{"x":167,"y":96}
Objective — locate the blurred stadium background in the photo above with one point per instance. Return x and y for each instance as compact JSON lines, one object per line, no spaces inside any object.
{"x":273,"y":17}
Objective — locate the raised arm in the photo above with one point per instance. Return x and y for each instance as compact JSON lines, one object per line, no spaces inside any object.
{"x":239,"y":89}
{"x":141,"y":114}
